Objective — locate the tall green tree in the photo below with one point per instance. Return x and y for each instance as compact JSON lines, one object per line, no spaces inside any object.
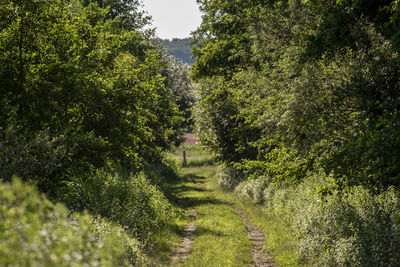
{"x":80,"y":88}
{"x":316,"y":87}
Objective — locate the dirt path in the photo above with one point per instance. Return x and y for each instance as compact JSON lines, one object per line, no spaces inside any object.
{"x":219,"y":230}
{"x":183,"y":252}
{"x":256,"y":236}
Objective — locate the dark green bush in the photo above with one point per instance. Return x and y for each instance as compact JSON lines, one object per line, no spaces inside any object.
{"x":38,"y":156}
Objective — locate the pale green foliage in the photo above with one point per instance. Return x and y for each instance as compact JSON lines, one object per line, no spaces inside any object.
{"x":131,"y":201}
{"x":352,"y":227}
{"x":253,"y":189}
{"x":35,"y":232}
{"x":177,"y":78}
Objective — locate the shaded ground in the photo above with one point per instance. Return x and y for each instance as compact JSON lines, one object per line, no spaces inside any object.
{"x":183,"y":252}
{"x":222,"y":235}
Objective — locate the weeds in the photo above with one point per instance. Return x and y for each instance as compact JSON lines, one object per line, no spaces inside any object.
{"x":133,"y":202}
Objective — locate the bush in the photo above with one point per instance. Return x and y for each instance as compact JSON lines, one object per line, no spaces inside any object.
{"x":349,"y":228}
{"x":254,"y":188}
{"x":35,"y":232}
{"x":133,"y":202}
{"x":38,"y":157}
{"x":231,"y":176}
{"x":352,"y":227}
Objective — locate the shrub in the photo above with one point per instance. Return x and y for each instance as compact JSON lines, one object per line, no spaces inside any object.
{"x":38,"y":157}
{"x":132,"y":201}
{"x":231,"y":176}
{"x":352,"y":227}
{"x":254,"y":188}
{"x":35,"y":232}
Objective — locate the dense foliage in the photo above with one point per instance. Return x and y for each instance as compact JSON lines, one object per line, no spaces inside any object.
{"x":81,"y":89}
{"x":288,"y":87}
{"x":36,"y":232}
{"x":178,"y":79}
{"x":133,"y":202}
{"x":350,"y":228}
{"x":89,"y":101}
{"x":303,"y":97}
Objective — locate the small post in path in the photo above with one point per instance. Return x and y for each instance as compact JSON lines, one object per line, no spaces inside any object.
{"x":184,"y":159}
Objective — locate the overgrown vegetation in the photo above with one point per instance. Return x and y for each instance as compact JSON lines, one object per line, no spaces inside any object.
{"x":350,"y":227}
{"x":89,"y":103}
{"x":131,"y":201}
{"x":35,"y":231}
{"x":80,"y":89}
{"x":299,"y":102}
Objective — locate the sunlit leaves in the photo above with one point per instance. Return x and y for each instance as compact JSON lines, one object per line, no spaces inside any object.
{"x":87,"y":71}
{"x":312,"y":82}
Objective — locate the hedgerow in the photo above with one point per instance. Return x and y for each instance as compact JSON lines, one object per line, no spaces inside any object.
{"x":299,"y":102}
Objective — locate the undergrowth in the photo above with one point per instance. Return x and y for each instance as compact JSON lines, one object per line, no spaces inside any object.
{"x":352,"y":227}
{"x":36,"y":232}
{"x":108,"y":218}
{"x":133,"y":201}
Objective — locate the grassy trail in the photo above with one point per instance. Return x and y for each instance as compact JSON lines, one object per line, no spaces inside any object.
{"x":217,"y":227}
{"x":221,"y":237}
{"x":212,"y":231}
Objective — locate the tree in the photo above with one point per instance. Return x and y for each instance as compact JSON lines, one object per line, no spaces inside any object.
{"x":81,"y":88}
{"x":127,"y":11}
{"x":312,"y":87}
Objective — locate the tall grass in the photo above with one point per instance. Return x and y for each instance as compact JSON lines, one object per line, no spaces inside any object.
{"x":131,"y":201}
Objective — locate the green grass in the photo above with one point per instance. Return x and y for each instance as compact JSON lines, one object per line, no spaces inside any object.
{"x":221,"y":238}
{"x":195,"y":157}
{"x":167,"y":240}
{"x":197,"y":148}
{"x":279,"y":238}
{"x":279,"y":241}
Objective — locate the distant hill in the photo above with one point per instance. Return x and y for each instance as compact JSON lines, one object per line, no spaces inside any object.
{"x":180,"y":48}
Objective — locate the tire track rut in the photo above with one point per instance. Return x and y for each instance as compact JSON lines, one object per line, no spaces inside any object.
{"x":182,"y":253}
{"x":257,"y":237}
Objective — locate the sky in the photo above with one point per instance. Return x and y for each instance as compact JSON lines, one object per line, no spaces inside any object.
{"x":173,"y":18}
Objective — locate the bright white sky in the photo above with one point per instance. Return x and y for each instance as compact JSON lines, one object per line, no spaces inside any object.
{"x":173,"y":18}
